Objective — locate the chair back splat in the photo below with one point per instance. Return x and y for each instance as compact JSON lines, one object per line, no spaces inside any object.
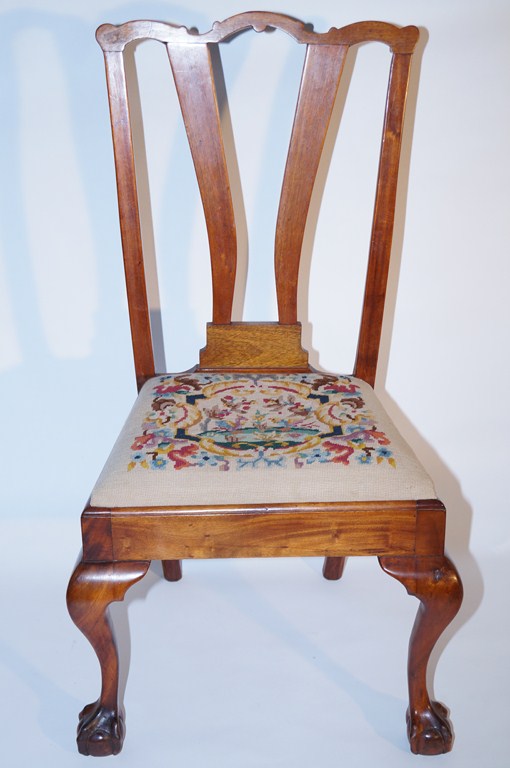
{"x":267,"y":345}
{"x":253,"y":453}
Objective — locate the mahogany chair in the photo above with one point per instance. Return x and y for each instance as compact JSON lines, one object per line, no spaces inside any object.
{"x":254,"y":453}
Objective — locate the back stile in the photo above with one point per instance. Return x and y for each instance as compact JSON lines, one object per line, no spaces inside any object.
{"x":129,"y":217}
{"x":319,"y":85}
{"x":383,"y":221}
{"x":194,"y":80}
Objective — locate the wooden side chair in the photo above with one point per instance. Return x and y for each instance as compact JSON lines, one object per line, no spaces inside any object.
{"x":253,"y":453}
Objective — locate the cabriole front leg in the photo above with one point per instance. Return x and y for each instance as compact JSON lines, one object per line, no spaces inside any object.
{"x":437,"y":585}
{"x":93,"y":586}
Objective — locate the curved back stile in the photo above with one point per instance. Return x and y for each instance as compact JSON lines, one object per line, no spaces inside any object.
{"x":129,"y":216}
{"x":274,"y":346}
{"x":382,"y":226}
{"x":192,"y":70}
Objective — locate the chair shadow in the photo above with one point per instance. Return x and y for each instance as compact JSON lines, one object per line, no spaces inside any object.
{"x":459,"y":522}
{"x":383,"y":711}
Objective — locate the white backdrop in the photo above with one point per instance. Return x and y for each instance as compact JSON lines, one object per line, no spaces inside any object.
{"x":66,"y":370}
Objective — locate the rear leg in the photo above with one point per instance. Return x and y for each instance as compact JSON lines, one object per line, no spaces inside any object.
{"x":333,"y":568}
{"x":172,"y":569}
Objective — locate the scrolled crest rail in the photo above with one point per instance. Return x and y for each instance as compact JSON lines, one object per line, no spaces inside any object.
{"x":400,"y":39}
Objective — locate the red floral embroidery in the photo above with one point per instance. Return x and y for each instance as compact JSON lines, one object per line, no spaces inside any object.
{"x":341,"y":452}
{"x":238,"y":421}
{"x":178,"y":455}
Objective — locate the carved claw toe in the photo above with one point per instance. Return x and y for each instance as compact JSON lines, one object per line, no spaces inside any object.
{"x":430,"y":731}
{"x":100,"y":731}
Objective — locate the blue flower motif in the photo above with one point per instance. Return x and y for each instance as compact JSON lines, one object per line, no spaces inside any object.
{"x":247,"y":411}
{"x":318,"y":454}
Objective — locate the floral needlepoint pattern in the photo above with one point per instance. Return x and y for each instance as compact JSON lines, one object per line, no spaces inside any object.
{"x":241,"y":421}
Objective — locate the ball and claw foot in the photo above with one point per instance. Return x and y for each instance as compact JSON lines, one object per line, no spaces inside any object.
{"x":430,"y":732}
{"x":100,"y":731}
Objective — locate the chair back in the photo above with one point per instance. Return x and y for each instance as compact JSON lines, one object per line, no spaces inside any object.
{"x":268,"y":346}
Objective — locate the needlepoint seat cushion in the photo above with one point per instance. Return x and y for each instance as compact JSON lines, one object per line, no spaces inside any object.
{"x":242,"y":438}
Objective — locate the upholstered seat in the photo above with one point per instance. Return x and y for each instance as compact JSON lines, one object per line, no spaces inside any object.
{"x":218,"y":438}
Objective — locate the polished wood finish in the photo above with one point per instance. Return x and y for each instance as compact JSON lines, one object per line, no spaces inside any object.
{"x":93,"y":586}
{"x":295,"y":530}
{"x":436,"y":583}
{"x":383,"y":221}
{"x":319,"y":84}
{"x":333,"y":568}
{"x":129,"y":218}
{"x":172,"y":570}
{"x":239,"y":346}
{"x":407,"y":535}
{"x":400,"y":39}
{"x":278,"y":533}
{"x":192,"y":70}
